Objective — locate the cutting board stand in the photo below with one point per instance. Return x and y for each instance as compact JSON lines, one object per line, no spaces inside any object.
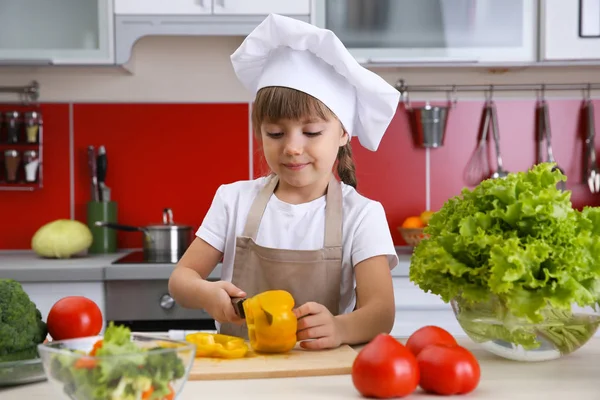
{"x":295,"y":363}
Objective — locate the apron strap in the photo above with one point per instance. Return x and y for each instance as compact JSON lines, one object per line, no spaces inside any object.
{"x":333,"y":212}
{"x":258,"y":208}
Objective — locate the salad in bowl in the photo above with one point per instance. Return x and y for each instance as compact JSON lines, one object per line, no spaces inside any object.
{"x":118,"y":366}
{"x":518,"y":263}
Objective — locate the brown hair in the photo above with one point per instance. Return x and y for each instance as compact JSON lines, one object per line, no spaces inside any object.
{"x":276,"y":102}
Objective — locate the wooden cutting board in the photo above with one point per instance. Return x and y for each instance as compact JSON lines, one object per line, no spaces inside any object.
{"x":297,"y":362}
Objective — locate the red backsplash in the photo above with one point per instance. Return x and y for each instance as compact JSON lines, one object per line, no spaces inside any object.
{"x":176,"y":155}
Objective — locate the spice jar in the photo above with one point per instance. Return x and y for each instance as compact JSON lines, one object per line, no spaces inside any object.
{"x":12,"y":126}
{"x":12,"y":161}
{"x":31,"y":163}
{"x":32,"y":126}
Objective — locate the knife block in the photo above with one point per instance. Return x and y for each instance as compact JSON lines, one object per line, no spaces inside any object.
{"x":104,"y":239}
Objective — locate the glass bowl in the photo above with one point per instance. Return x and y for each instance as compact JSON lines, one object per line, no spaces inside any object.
{"x":561,"y":332}
{"x":162,"y":366}
{"x":21,"y":372}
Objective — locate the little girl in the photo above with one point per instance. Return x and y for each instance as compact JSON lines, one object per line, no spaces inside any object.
{"x":300,"y":229}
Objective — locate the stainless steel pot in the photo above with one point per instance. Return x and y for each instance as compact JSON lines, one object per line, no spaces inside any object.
{"x":163,"y":243}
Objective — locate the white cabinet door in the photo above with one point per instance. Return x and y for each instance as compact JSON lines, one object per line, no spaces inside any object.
{"x":251,"y":7}
{"x":570,"y":30}
{"x":163,"y":7}
{"x":56,"y":32}
{"x":382,"y":31}
{"x":45,"y":295}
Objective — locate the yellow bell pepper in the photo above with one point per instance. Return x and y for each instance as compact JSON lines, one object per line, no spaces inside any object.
{"x":217,"y":345}
{"x":271,"y":322}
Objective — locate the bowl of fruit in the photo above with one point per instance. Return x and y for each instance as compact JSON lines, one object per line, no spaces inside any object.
{"x":412,"y":229}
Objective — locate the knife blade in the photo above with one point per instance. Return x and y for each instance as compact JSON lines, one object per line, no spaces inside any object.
{"x":93,"y":173}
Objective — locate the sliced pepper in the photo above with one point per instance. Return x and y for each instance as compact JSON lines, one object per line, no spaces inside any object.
{"x":217,"y":345}
{"x":271,"y":321}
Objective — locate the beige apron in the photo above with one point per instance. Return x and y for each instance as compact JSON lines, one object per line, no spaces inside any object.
{"x":309,"y":275}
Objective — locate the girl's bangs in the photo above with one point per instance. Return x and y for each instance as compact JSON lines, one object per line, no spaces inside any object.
{"x":276,"y":103}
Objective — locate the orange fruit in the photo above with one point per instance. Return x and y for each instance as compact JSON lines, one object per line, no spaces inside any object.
{"x":413,"y":222}
{"x":426,"y":216}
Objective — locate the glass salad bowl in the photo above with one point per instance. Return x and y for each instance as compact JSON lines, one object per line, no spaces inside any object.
{"x":139,"y":367}
{"x":20,"y":372}
{"x":561,"y":332}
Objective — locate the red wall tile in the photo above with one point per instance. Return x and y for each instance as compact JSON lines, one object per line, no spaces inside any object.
{"x":23,"y":212}
{"x":393,"y":175}
{"x":176,"y":155}
{"x":517,"y":131}
{"x":161,"y":155}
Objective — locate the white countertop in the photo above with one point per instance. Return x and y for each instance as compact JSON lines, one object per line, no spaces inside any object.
{"x":26,"y":266}
{"x":575,"y":376}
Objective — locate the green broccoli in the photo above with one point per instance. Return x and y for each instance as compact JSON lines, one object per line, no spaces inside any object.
{"x":21,"y":325}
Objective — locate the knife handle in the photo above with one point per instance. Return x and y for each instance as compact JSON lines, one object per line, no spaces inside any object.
{"x":101,"y":164}
{"x":238,"y":306}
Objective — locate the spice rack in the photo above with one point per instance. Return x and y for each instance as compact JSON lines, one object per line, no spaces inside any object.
{"x":21,"y":140}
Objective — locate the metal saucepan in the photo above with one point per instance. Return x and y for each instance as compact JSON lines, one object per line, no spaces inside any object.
{"x":163,"y":243}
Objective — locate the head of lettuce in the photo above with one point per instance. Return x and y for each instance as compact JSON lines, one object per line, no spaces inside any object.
{"x":516,"y":251}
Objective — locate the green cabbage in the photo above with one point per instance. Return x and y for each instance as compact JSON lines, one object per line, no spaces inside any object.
{"x":518,"y":240}
{"x":62,"y":238}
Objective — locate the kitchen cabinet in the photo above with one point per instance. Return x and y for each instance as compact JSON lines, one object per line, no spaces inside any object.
{"x":202,"y":7}
{"x":415,"y":309}
{"x":135,"y":19}
{"x":46,"y":294}
{"x":263,"y":7}
{"x":41,"y":32}
{"x":570,"y":30}
{"x":162,"y":7}
{"x":408,"y":31}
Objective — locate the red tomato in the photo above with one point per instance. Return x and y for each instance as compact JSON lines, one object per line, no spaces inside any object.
{"x":74,"y":317}
{"x":429,"y":335}
{"x":384,"y":368}
{"x":448,"y":370}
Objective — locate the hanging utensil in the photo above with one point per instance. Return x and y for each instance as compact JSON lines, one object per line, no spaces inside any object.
{"x":478,"y":167}
{"x":500,"y":171}
{"x":544,"y":135}
{"x":592,"y":172}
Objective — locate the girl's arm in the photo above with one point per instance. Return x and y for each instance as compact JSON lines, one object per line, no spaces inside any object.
{"x":188,"y":285}
{"x":376,"y":308}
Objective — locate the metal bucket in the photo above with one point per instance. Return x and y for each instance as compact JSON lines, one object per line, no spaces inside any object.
{"x":428,"y":125}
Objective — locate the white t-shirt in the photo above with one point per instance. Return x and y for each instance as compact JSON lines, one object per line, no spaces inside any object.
{"x":365,"y":231}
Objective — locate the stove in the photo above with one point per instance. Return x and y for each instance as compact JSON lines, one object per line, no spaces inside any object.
{"x":135,"y":257}
{"x":146,"y":304}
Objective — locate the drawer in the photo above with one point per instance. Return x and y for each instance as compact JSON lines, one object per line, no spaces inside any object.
{"x":409,"y":295}
{"x":408,"y":321}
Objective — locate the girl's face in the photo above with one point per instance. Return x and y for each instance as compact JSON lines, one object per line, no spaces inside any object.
{"x":302,"y":152}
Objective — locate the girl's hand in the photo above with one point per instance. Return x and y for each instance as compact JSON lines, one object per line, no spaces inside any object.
{"x":219,"y":306}
{"x":317,"y":327}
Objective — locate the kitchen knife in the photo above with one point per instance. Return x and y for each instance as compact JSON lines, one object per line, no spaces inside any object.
{"x":93,"y":173}
{"x":102,"y":164}
{"x":238,"y":306}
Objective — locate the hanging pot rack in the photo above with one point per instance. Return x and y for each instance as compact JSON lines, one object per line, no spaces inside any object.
{"x":28,"y":93}
{"x":452,"y":90}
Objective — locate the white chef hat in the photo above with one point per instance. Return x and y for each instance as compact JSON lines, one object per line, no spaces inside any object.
{"x":284,"y":51}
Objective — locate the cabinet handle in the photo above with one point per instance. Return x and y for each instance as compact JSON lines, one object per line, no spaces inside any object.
{"x":383,"y":60}
{"x":26,"y":62}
